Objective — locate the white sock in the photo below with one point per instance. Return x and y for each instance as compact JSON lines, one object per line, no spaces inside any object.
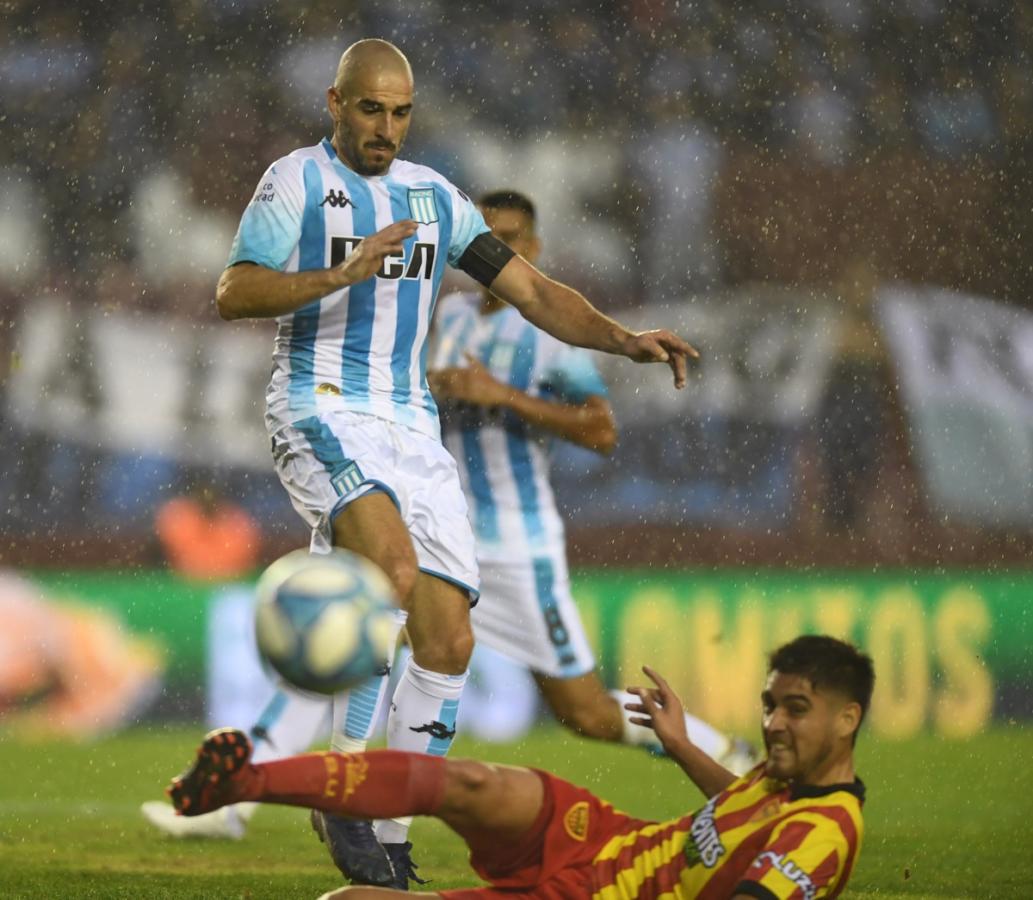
{"x":706,"y":737}
{"x":355,"y":711}
{"x":422,"y":720}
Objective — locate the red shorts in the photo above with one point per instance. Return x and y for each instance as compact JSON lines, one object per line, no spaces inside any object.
{"x":554,"y":859}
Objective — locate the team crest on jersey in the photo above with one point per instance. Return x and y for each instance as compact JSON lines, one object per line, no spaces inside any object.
{"x":769,"y":810}
{"x":422,"y":206}
{"x":575,"y":822}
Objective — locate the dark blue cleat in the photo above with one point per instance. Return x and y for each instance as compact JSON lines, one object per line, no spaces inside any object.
{"x":405,"y":868}
{"x":354,"y":849}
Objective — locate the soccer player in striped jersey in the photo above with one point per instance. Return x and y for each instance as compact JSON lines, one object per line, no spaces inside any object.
{"x":345,"y":245}
{"x":507,"y":390}
{"x":790,"y":828}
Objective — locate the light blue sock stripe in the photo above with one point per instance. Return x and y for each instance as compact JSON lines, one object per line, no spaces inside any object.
{"x":362,"y":706}
{"x":305,"y":322}
{"x":447,"y":717}
{"x":270,"y":716}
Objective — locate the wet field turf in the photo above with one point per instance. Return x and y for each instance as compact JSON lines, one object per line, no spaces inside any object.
{"x":943,"y":819}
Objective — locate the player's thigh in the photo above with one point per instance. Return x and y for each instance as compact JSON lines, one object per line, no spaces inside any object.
{"x":438,"y":516}
{"x":373,"y":527}
{"x":439,"y":624}
{"x":490,"y":802}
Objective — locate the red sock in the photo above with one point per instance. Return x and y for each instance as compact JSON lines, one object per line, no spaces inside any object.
{"x":377,"y":784}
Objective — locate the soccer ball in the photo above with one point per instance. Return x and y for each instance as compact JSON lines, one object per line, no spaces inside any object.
{"x":325,"y":623}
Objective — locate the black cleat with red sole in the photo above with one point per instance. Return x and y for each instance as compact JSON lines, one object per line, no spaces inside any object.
{"x":209,"y":783}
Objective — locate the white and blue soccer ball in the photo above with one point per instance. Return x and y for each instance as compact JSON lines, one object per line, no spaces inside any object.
{"x":325,"y":623}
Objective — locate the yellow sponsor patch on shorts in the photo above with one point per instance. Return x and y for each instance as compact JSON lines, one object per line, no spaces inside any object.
{"x":575,"y":822}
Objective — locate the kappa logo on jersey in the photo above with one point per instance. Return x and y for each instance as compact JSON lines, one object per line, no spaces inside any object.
{"x":791,"y":871}
{"x":337,"y":199}
{"x":420,"y":264}
{"x":706,"y":846}
{"x":422,"y":206}
{"x":575,"y":822}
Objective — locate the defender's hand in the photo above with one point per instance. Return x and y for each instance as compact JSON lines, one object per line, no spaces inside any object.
{"x":661,"y":346}
{"x":660,"y":709}
{"x":367,"y":258}
{"x":470,"y":384}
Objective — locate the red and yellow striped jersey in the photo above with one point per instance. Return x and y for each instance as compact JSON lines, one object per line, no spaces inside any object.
{"x":759,"y":837}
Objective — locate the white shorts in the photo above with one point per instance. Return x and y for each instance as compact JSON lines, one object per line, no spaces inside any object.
{"x":526,"y":612}
{"x":328,"y":460}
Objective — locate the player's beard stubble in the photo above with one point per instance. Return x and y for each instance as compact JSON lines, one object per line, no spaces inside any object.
{"x":367,"y":157}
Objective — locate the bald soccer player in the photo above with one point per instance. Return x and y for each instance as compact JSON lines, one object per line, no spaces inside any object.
{"x":790,"y":828}
{"x":506,"y":391}
{"x":345,"y":245}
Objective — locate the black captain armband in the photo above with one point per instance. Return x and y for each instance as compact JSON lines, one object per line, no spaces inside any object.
{"x":484,"y":258}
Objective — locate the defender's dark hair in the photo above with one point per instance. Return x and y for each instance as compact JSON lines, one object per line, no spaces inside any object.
{"x":828,"y":663}
{"x":508,"y":199}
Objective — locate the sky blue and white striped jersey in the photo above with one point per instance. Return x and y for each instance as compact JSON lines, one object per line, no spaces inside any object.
{"x":503,"y":461}
{"x":363,"y":348}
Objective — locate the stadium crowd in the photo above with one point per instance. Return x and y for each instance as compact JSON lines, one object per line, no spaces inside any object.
{"x":138,"y":133}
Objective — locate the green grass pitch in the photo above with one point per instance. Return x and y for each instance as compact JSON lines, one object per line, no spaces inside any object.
{"x":943,"y":819}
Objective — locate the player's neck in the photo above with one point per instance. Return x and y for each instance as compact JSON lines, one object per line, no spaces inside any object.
{"x":836,"y":771}
{"x":490,"y":303}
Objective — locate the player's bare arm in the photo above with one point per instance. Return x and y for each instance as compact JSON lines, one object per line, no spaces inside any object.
{"x":589,"y":424}
{"x":567,"y":315}
{"x":251,"y":291}
{"x":660,"y":708}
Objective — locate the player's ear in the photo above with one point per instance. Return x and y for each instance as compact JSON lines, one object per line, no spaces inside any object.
{"x":848,"y":720}
{"x":333,"y":102}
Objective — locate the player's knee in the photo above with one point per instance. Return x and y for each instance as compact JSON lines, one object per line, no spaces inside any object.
{"x":448,"y":652}
{"x":587,"y":720}
{"x":461,"y":648}
{"x":468,"y":781}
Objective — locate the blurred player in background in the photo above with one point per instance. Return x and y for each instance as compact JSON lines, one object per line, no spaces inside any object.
{"x":790,"y":828}
{"x":67,"y":670}
{"x":506,"y":390}
{"x":345,"y":245}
